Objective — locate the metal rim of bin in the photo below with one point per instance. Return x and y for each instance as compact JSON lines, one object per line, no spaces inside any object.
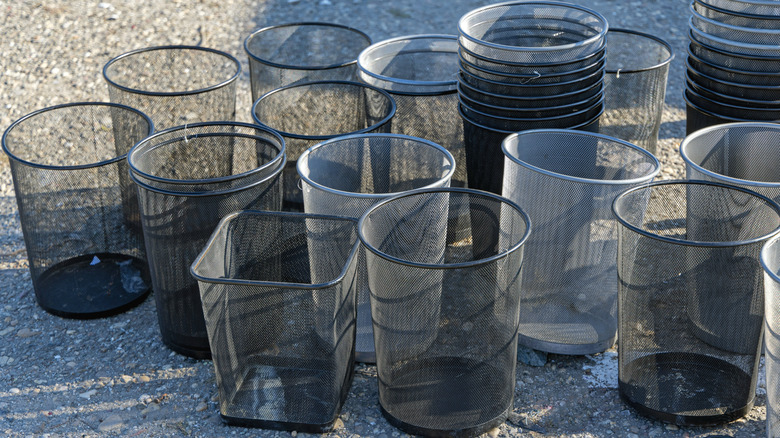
{"x":765,"y":256}
{"x":387,"y":118}
{"x":395,"y":85}
{"x":720,"y":97}
{"x":723,"y":57}
{"x":171,"y":93}
{"x":660,"y":41}
{"x":569,"y":94}
{"x":575,"y":84}
{"x":743,"y":7}
{"x":304,"y":156}
{"x":686,"y":144}
{"x":742,"y":48}
{"x":702,"y":7}
{"x":509,"y":250}
{"x":599,"y":105}
{"x":148,"y":142}
{"x":693,"y":59}
{"x":729,"y":110}
{"x":530,"y":77}
{"x":302,"y":67}
{"x":503,"y":131}
{"x":565,"y":109}
{"x":548,"y":50}
{"x":772,"y":92}
{"x":465,"y":53}
{"x":748,"y":35}
{"x":11,"y":155}
{"x":686,"y":242}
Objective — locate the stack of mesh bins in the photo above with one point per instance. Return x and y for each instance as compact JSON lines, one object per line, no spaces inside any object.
{"x":733,"y":68}
{"x":526,"y":65}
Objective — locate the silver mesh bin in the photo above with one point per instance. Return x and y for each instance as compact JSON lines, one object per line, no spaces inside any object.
{"x":566,"y":181}
{"x":770,"y":259}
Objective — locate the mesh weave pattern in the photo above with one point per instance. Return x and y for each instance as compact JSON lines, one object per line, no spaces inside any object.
{"x":278,"y":293}
{"x":735,"y":19}
{"x":738,"y":47}
{"x":770,"y":258}
{"x":731,"y":32}
{"x":769,"y":8}
{"x":735,"y":60}
{"x":691,"y":299}
{"x":736,"y":76}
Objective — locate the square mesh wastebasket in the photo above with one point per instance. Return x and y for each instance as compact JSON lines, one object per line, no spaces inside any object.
{"x":770,"y":259}
{"x":182,"y":201}
{"x":84,"y":244}
{"x":445,"y":312}
{"x":262,"y":270}
{"x":566,"y":181}
{"x":347,"y":175}
{"x":310,"y":112}
{"x":683,"y":239}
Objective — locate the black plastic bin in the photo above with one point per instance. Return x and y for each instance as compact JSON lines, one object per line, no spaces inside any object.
{"x":445,"y":312}
{"x":182,"y":201}
{"x":83,"y":239}
{"x":279,"y":298}
{"x":692,"y":254}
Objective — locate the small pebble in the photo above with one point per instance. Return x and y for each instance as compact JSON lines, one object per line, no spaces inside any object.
{"x":671,"y":427}
{"x":27,"y":333}
{"x":144,"y":379}
{"x":88,"y":394}
{"x":201,"y":407}
{"x":125,"y":378}
{"x":15,"y":390}
{"x":493,"y":433}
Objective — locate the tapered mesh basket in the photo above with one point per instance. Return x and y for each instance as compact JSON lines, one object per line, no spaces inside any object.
{"x":689,"y":281}
{"x":79,"y":216}
{"x":231,"y":166}
{"x":278,"y":293}
{"x":768,"y":8}
{"x":731,"y":32}
{"x":566,"y":181}
{"x":445,"y":312}
{"x":347,"y":175}
{"x":770,"y":259}
{"x":311,"y":112}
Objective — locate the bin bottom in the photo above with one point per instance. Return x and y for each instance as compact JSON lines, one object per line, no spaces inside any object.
{"x":364,"y":337}
{"x":93,"y":286}
{"x":447,"y":396}
{"x":687,"y":389}
{"x":561,"y":329}
{"x":288,"y":394}
{"x":190,"y":346}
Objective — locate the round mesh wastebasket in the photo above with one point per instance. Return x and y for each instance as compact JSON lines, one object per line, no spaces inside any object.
{"x":182,"y":201}
{"x":680,"y":239}
{"x":347,"y":175}
{"x":770,"y":259}
{"x":308,"y":113}
{"x":83,"y":240}
{"x":566,"y":181}
{"x":635,"y":86}
{"x":420,"y":72}
{"x":302,"y":52}
{"x":260,"y":268}
{"x":444,"y":312}
{"x":175,"y":85}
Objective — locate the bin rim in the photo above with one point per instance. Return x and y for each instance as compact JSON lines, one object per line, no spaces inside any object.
{"x":305,"y":155}
{"x":302,"y":67}
{"x":696,"y":243}
{"x":442,"y":266}
{"x":35,"y":113}
{"x":516,"y":136}
{"x":281,"y":156}
{"x":765,"y":256}
{"x":376,"y":125}
{"x":659,"y":40}
{"x":172,"y":93}
{"x":686,"y":143}
{"x":283,"y":285}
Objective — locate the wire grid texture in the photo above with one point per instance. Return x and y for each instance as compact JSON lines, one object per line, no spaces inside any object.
{"x":741,"y":34}
{"x":351,"y":174}
{"x":309,"y":113}
{"x":691,"y":314}
{"x":302,"y":52}
{"x":715,"y":56}
{"x":567,"y":183}
{"x":737,"y":76}
{"x":635,"y":87}
{"x":71,"y":214}
{"x":445,"y":337}
{"x":761,"y":7}
{"x":770,"y":258}
{"x":730,"y":18}
{"x":177,"y":224}
{"x":278,"y":294}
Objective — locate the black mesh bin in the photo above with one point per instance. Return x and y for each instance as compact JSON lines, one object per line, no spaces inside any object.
{"x":689,"y":252}
{"x":635,"y":86}
{"x":445,"y":312}
{"x":310,"y":112}
{"x":84,"y":244}
{"x":566,"y":181}
{"x":278,"y":293}
{"x":292,"y":53}
{"x":347,"y":175}
{"x":770,"y":259}
{"x":182,"y":201}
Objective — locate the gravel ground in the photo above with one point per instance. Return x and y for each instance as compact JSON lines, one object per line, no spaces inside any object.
{"x":113,"y":376}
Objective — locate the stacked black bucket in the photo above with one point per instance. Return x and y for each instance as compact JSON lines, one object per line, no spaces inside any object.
{"x":733,"y":62}
{"x":526,"y":65}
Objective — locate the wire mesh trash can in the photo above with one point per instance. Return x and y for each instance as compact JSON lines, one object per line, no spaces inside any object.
{"x":302,"y":52}
{"x":260,"y":269}
{"x":86,"y":256}
{"x":308,"y":113}
{"x":770,"y":260}
{"x":635,"y":86}
{"x":175,"y":85}
{"x":566,"y":181}
{"x":347,"y":175}
{"x":680,"y":239}
{"x":445,"y":312}
{"x":182,"y":201}
{"x":420,"y":72}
